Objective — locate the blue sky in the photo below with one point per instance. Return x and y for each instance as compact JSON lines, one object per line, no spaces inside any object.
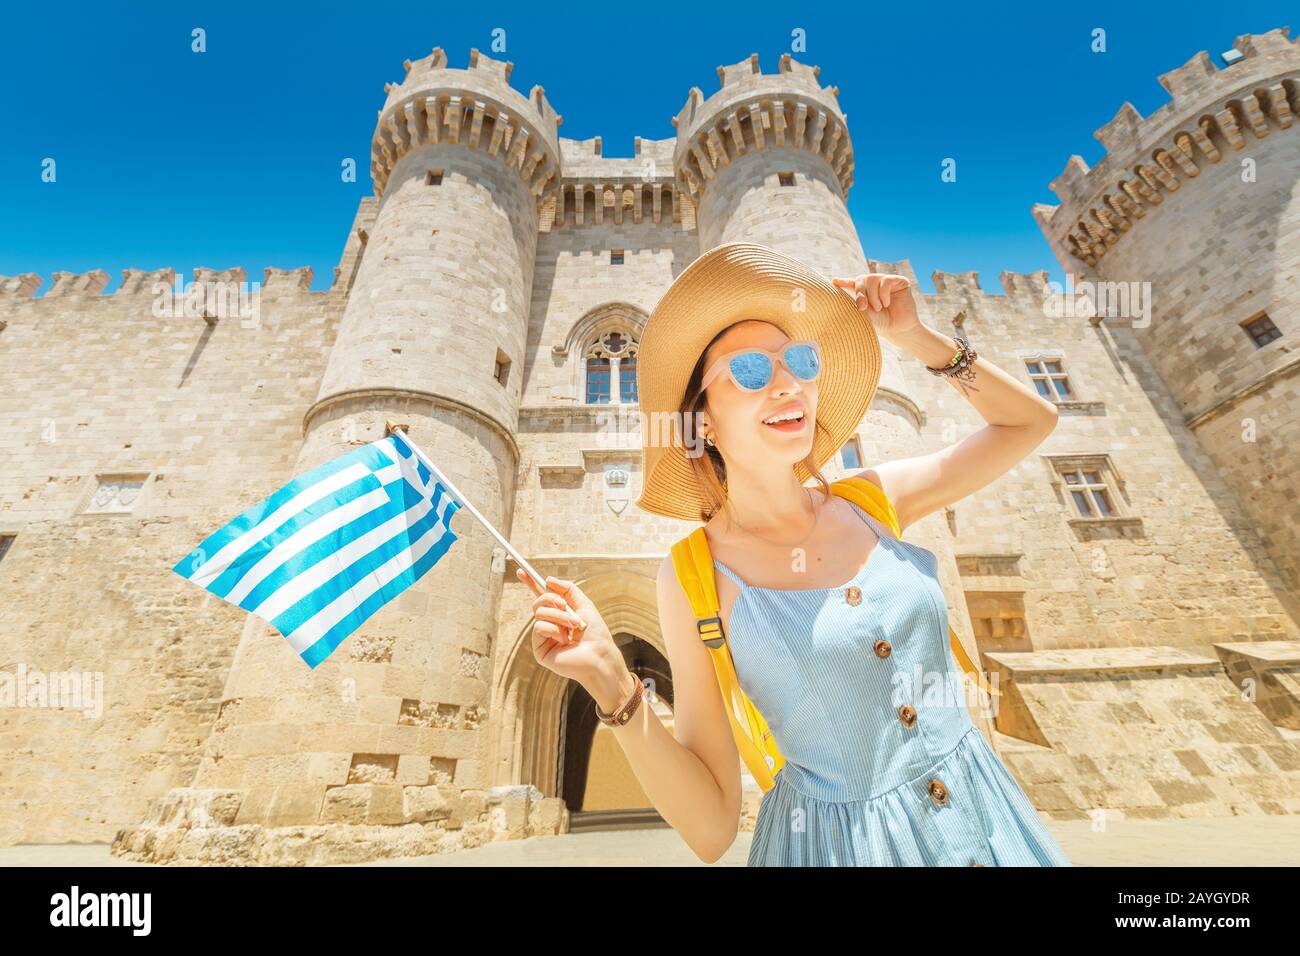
{"x":232,"y":157}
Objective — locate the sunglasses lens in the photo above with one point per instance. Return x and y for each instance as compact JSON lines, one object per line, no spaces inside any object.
{"x":752,"y":370}
{"x":803,"y":362}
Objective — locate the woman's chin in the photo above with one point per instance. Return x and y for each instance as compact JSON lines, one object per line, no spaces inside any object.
{"x":791,"y":441}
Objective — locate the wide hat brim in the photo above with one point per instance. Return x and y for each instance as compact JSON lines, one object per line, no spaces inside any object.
{"x":730,"y":283}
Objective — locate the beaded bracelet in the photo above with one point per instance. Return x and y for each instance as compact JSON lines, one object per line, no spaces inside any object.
{"x":962,"y":365}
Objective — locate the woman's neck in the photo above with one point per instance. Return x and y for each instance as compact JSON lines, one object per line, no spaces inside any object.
{"x":768,"y":502}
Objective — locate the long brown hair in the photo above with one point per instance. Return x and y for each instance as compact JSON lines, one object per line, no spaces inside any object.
{"x":710,"y":469}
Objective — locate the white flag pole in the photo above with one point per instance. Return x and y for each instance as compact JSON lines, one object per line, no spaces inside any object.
{"x":391,"y":427}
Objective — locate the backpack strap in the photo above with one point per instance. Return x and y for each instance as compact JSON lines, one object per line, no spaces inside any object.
{"x":754,"y":741}
{"x":869,"y":496}
{"x":694,"y":565}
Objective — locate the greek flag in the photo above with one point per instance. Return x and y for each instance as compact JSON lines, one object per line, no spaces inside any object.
{"x":330,"y":548}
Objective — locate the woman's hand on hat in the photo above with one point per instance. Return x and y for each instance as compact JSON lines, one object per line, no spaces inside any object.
{"x":573,"y":643}
{"x":886,"y":298}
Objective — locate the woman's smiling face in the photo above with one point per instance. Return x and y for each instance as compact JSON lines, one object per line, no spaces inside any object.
{"x":739,"y":419}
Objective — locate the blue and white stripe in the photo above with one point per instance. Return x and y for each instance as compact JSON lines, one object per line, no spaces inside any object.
{"x":329,"y":549}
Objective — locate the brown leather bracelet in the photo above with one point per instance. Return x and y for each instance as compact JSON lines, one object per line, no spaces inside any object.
{"x":624,"y":713}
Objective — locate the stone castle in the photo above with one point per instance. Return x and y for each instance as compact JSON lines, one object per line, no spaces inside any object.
{"x":1134,"y":584}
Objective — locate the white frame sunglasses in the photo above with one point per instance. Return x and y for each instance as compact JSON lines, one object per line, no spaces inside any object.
{"x":772,"y":356}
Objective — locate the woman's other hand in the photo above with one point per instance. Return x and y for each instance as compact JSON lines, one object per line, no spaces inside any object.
{"x":585,"y":654}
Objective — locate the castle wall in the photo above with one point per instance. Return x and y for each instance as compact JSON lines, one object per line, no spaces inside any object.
{"x":1221,"y":251}
{"x":94,"y":385}
{"x":1180,"y":566}
{"x":565,"y":443}
{"x":1197,"y":204}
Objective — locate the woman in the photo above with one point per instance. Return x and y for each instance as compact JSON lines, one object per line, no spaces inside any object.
{"x":834,"y":624}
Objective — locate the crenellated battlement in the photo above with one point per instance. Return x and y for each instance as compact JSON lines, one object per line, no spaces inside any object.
{"x":137,"y":281}
{"x":756,"y":111}
{"x":651,"y":159}
{"x":73,"y":283}
{"x":22,"y":286}
{"x":1024,"y":283}
{"x":596,"y":188}
{"x":206,"y":276}
{"x":1015,"y":285}
{"x":146,"y":282}
{"x":1211,"y":113}
{"x":956,"y":283}
{"x":287,"y":281}
{"x":475,"y":107}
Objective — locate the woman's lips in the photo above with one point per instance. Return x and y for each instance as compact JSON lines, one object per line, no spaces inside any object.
{"x":789,"y":426}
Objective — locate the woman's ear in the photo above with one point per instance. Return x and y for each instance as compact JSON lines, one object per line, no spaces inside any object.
{"x":695,"y":431}
{"x":706,"y":427}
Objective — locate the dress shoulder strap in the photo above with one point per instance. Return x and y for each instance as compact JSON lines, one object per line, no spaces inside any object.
{"x":870,"y":498}
{"x":730,"y":573}
{"x":873,"y":522}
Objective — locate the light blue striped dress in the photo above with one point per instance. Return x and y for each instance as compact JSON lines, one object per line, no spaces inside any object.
{"x":884,"y":766}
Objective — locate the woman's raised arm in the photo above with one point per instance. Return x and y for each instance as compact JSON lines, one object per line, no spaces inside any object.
{"x":1018,"y":419}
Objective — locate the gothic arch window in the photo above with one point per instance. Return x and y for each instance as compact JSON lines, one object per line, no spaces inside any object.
{"x":610,"y":368}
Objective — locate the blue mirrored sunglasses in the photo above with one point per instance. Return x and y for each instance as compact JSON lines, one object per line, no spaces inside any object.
{"x":751,"y":369}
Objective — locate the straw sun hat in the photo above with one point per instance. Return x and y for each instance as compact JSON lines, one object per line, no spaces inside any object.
{"x":730,"y":283}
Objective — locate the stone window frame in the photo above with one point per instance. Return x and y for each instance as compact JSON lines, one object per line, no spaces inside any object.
{"x":1057,"y":384}
{"x":1110,"y":480}
{"x":100,"y":480}
{"x":583,"y":336}
{"x":597,"y":348}
{"x":1260,"y":316}
{"x":1044,"y":355}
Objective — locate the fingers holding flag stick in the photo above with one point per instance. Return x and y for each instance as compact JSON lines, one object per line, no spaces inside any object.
{"x":541,"y":583}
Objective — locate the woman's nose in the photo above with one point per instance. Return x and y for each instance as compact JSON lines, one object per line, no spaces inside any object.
{"x":785,"y":379}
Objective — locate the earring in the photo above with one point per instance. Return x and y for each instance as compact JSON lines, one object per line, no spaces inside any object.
{"x":710,"y":442}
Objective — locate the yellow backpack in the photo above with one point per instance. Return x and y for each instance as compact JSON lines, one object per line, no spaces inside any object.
{"x":695,"y":572}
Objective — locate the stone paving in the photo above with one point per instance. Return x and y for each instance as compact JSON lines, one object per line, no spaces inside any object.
{"x":1219,"y":841}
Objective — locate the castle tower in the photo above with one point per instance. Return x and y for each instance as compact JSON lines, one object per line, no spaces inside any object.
{"x":1198,"y":204}
{"x":392,"y":729}
{"x":768,"y":159}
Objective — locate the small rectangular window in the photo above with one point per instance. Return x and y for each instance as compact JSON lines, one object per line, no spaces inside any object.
{"x":785,"y":179}
{"x":1090,"y":485}
{"x":616,"y":257}
{"x":502,"y":369}
{"x":851,"y":454}
{"x":627,"y":379}
{"x":597,"y":381}
{"x":433,"y":178}
{"x":1050,"y":379}
{"x":6,"y":542}
{"x":1261,"y":329}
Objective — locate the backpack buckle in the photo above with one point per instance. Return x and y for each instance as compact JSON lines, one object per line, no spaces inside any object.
{"x":714,"y":626}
